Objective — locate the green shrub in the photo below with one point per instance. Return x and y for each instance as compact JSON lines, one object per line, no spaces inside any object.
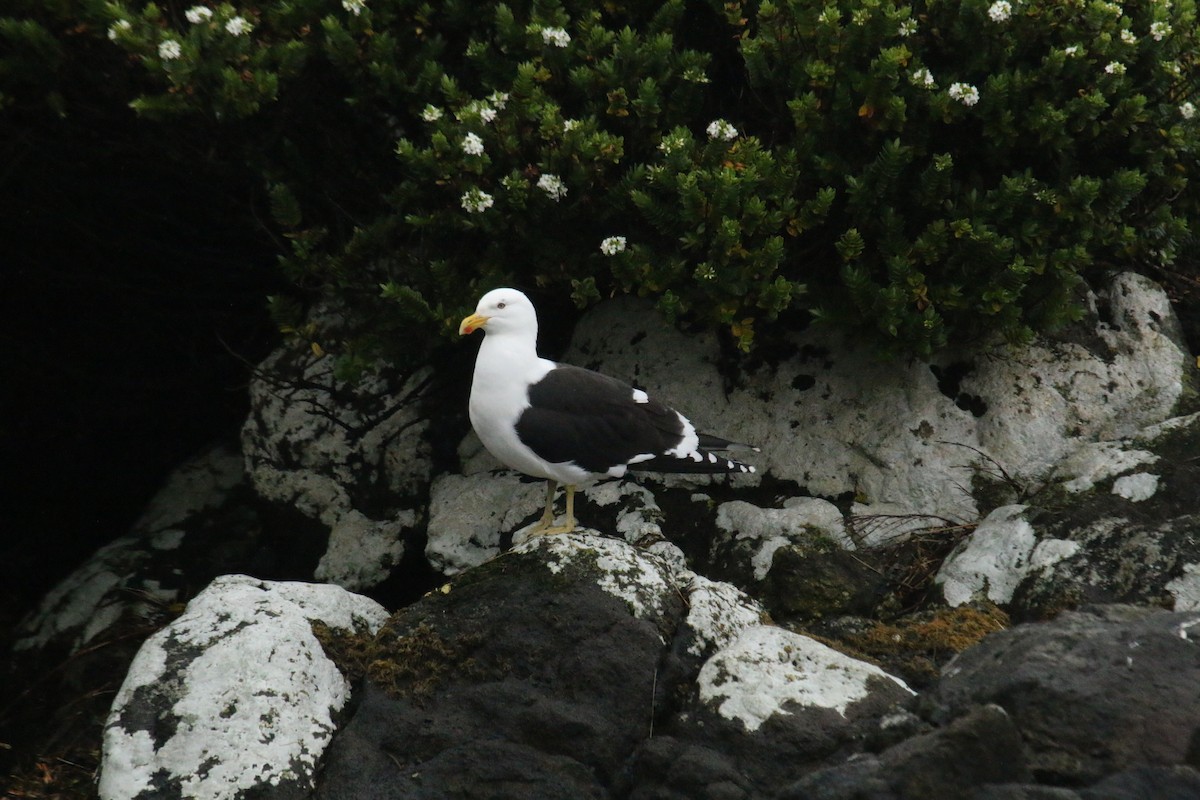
{"x":925,"y":173}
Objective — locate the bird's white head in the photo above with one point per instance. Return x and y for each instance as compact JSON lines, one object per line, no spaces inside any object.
{"x":502,"y":311}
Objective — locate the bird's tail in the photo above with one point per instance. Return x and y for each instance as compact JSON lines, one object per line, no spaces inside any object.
{"x":699,"y":461}
{"x":710,"y":442}
{"x":703,"y":459}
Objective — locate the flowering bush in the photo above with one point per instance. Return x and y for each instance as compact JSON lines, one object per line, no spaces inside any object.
{"x":923,"y":172}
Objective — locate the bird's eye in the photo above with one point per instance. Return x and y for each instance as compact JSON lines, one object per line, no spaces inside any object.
{"x":500,"y":305}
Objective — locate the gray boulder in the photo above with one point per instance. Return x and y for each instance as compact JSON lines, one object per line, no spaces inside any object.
{"x":235,"y":698}
{"x":1092,"y":693}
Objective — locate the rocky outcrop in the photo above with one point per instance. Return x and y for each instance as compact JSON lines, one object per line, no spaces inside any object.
{"x":747,"y":637}
{"x":235,"y":697}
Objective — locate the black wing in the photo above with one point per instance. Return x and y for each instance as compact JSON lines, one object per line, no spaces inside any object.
{"x":580,"y":416}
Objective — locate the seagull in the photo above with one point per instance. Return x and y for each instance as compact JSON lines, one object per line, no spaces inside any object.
{"x":570,"y":425}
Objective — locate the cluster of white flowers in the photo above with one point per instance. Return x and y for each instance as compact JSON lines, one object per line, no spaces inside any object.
{"x":475,"y":201}
{"x":472,"y":145}
{"x":237,"y":26}
{"x":907,"y":28}
{"x":198,"y":14}
{"x":1187,"y":110}
{"x":169,"y":49}
{"x":570,"y":125}
{"x":498,"y":100}
{"x":1000,"y":11}
{"x":1071,"y":50}
{"x":1115,"y":68}
{"x":487,"y":114}
{"x":556,"y":36}
{"x":119,"y":27}
{"x":431,"y":113}
{"x":1160,"y":30}
{"x":613,"y":245}
{"x":355,"y":7}
{"x":670,"y":144}
{"x":720,"y":129}
{"x":923,"y":77}
{"x":552,"y":185}
{"x":1127,"y":36}
{"x":695,"y":75}
{"x":1111,"y":8}
{"x":964,"y":93}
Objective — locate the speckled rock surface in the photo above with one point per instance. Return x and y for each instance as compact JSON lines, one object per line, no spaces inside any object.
{"x":578,"y":658}
{"x":235,"y":698}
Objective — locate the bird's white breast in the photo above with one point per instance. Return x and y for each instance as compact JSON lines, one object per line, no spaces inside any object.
{"x":499,"y":393}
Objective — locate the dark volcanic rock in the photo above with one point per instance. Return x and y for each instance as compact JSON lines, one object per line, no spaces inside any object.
{"x":946,"y":764}
{"x":572,"y":667}
{"x":1091,"y":693}
{"x":520,"y":681}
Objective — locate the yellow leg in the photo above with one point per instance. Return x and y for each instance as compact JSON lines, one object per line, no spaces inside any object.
{"x":548,"y":517}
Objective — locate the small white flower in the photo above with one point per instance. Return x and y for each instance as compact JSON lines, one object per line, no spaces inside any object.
{"x":670,"y":144}
{"x":720,"y":129}
{"x":475,"y":200}
{"x":907,"y":28}
{"x":695,"y":75}
{"x":1127,"y":36}
{"x":1071,"y":50}
{"x":238,"y":26}
{"x":498,"y":100}
{"x":570,"y":125}
{"x":198,"y":14}
{"x":923,"y":77}
{"x":119,"y":27}
{"x":613,"y":245}
{"x":169,"y":49}
{"x":553,"y":186}
{"x":355,"y":7}
{"x":964,"y":93}
{"x":1000,"y":11}
{"x":1112,"y":8}
{"x":1160,"y":30}
{"x":556,"y":36}
{"x":431,"y":113}
{"x":1115,"y":68}
{"x":487,"y":114}
{"x":472,"y":145}
{"x":1187,"y":110}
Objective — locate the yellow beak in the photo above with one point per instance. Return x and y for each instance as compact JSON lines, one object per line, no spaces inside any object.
{"x":472,"y":324}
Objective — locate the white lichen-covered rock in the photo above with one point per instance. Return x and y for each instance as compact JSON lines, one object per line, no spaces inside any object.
{"x":331,"y":451}
{"x":643,"y":582}
{"x":767,"y":671}
{"x":1096,"y":462}
{"x":469,"y":513}
{"x":362,"y":551}
{"x":718,"y":612}
{"x":1047,"y":399}
{"x":234,"y":695}
{"x":834,"y":419}
{"x":1126,"y":506}
{"x":764,"y":530}
{"x":1185,"y":589}
{"x":996,"y":557}
{"x":117,"y":580}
